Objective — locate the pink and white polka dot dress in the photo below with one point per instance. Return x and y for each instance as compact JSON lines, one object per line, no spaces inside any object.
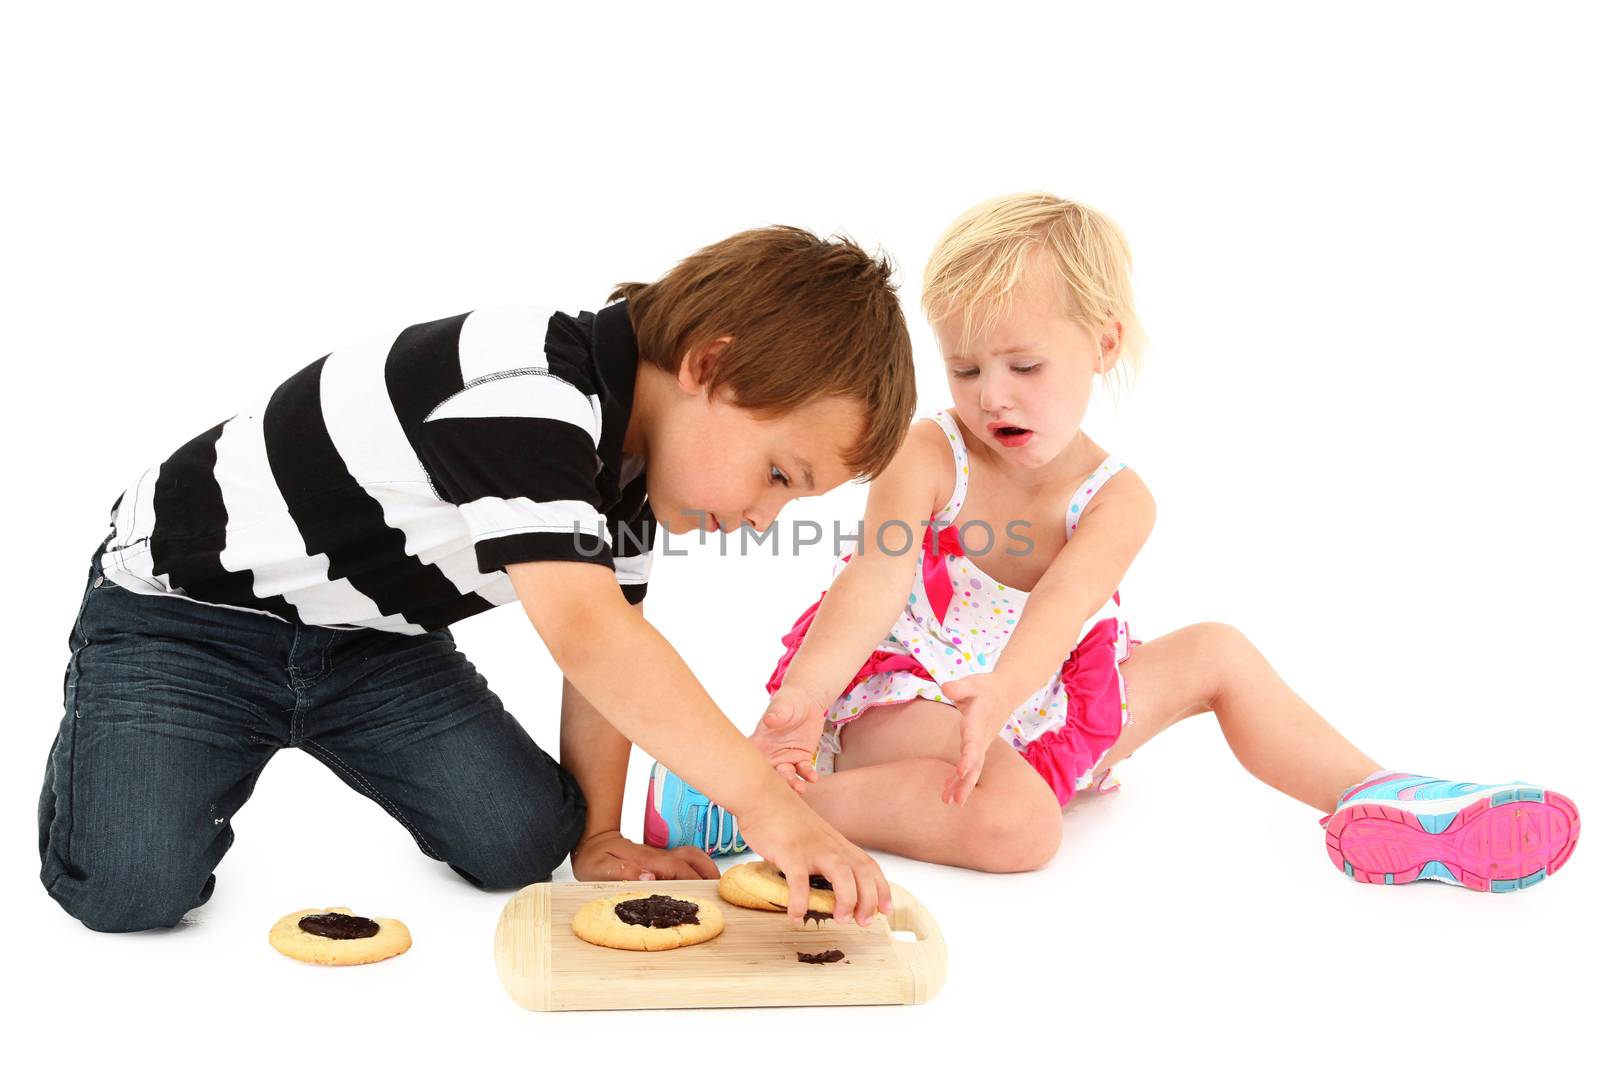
{"x":956,"y":622}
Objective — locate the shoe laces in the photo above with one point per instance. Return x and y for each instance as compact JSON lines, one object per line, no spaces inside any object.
{"x":724,"y":822}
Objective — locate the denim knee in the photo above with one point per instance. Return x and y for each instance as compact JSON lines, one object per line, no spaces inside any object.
{"x":113,"y":886}
{"x":116,"y":902}
{"x":532,"y":855}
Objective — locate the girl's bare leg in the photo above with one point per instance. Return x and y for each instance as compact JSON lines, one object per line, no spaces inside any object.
{"x":1276,"y":735}
{"x":884,"y":794}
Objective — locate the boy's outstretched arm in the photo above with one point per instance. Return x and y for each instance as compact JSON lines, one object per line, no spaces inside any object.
{"x":642,"y":687}
{"x":596,"y":754}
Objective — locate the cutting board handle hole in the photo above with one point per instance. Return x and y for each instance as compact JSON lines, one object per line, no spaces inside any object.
{"x":905,"y":935}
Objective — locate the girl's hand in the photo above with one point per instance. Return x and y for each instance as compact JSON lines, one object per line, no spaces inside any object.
{"x":983,"y":713}
{"x":788,"y":734}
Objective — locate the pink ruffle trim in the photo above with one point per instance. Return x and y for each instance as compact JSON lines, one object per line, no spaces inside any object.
{"x":1062,"y":756}
{"x":880,"y":662}
{"x":1094,"y":714}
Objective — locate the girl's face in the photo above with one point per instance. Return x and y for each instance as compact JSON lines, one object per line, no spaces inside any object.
{"x":713,"y":465}
{"x":1022,"y":386}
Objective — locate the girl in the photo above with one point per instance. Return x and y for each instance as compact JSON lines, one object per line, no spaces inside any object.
{"x":918,"y":675}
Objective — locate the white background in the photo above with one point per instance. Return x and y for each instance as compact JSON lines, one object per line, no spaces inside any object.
{"x":1365,"y":251}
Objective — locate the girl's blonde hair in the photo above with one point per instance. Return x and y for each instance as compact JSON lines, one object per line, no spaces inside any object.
{"x":984,"y":254}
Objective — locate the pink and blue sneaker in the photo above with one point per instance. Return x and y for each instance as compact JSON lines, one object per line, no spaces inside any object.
{"x":676,"y":813}
{"x":1397,"y":828}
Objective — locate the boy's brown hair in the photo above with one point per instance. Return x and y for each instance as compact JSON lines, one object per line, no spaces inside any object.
{"x":810,"y":319}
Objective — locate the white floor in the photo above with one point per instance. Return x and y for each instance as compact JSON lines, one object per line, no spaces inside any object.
{"x":1365,"y":251}
{"x":1193,"y":912}
{"x":1178,"y":917}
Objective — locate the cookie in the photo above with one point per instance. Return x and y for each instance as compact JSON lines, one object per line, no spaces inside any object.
{"x":759,"y":885}
{"x":647,"y":922}
{"x":338,"y":937}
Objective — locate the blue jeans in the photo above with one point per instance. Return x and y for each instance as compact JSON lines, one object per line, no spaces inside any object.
{"x":173,"y":708}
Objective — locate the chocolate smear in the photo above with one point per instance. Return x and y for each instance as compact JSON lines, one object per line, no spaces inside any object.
{"x":339,"y":927}
{"x":658,"y":912}
{"x":817,"y":882}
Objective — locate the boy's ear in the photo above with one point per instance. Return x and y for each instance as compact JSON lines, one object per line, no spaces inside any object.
{"x":1110,"y":346}
{"x":698,"y":362}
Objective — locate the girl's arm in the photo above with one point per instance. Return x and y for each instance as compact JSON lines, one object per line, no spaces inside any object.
{"x":863,"y":602}
{"x":1080,"y":579}
{"x":861,"y":605}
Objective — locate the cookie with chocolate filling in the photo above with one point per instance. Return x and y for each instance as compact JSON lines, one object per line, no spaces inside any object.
{"x":338,"y":937}
{"x":647,"y":922}
{"x":762,"y":886}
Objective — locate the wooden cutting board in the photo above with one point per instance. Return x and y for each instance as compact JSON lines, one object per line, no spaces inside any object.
{"x":546,"y":967}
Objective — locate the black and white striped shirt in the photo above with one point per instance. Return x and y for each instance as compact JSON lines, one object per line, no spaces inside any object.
{"x":388,"y":484}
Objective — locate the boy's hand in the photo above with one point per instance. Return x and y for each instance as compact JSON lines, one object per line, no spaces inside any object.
{"x":610,"y":857}
{"x":983,"y":713}
{"x":788,"y":733}
{"x":795,"y":839}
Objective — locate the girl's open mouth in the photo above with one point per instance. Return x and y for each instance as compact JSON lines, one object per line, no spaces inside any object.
{"x":1010,"y":436}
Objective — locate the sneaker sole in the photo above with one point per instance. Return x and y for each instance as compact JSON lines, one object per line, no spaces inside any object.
{"x":1510,"y":840}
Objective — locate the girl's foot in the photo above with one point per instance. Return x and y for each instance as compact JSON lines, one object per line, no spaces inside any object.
{"x":1396,"y":828}
{"x":676,"y":813}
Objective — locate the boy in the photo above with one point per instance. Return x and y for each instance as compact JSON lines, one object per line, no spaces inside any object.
{"x":287,"y":579}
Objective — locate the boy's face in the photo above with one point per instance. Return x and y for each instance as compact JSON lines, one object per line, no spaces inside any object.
{"x":1023,"y":384}
{"x":713,"y":465}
